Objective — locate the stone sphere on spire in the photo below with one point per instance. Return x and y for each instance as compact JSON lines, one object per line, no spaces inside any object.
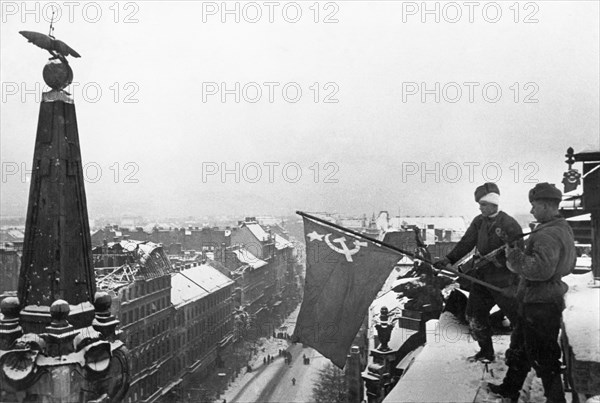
{"x":57,"y":75}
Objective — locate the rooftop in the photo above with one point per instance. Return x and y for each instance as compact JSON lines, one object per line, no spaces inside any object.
{"x":282,"y":243}
{"x":197,"y":282}
{"x":245,"y":256}
{"x":443,"y":362}
{"x":456,"y":223}
{"x":258,"y":231}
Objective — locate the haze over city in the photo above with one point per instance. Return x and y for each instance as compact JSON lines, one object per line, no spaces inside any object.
{"x":349,"y":107}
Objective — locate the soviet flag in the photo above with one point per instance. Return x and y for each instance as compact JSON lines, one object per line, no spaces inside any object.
{"x":344,"y":273}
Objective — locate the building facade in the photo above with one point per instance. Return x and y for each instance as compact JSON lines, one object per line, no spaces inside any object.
{"x":173,"y":321}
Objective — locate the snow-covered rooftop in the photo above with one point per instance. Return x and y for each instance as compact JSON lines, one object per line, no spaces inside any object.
{"x":441,"y":371}
{"x":455,"y":223}
{"x":194,"y":283}
{"x":282,"y":243}
{"x":581,"y":316}
{"x":11,"y":235}
{"x":258,"y":231}
{"x":245,"y":256}
{"x":581,"y":217}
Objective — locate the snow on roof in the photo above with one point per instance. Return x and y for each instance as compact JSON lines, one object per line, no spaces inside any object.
{"x":441,"y":371}
{"x":573,"y":193}
{"x":581,"y":317}
{"x":194,"y":283}
{"x":245,"y":256}
{"x":582,"y":217}
{"x":258,"y":232}
{"x":11,"y":235}
{"x":282,"y":243}
{"x":455,"y":223}
{"x":146,"y":247}
{"x":405,"y":261}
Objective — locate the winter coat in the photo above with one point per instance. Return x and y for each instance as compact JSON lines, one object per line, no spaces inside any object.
{"x":482,"y":234}
{"x":549,"y":255}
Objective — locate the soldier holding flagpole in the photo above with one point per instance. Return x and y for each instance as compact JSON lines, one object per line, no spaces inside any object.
{"x":486,"y":233}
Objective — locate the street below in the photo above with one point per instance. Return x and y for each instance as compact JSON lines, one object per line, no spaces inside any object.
{"x":273,"y":382}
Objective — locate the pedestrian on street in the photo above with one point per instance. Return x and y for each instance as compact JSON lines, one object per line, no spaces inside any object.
{"x":486,"y":233}
{"x":548,"y":256}
{"x":294,"y":381}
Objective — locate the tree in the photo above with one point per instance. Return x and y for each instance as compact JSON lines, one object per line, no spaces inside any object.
{"x":331,"y":386}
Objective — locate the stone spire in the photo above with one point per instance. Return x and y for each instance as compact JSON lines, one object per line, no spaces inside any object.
{"x":57,"y":261}
{"x":58,"y":340}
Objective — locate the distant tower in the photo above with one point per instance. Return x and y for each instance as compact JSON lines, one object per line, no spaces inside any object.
{"x":58,"y":339}
{"x":571,"y":177}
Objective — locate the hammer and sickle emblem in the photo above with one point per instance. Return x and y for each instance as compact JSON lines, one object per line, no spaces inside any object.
{"x":344,"y":248}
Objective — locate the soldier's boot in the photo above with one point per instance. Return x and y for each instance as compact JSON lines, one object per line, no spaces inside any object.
{"x":511,"y":385}
{"x":553,"y":388}
{"x":486,"y":351}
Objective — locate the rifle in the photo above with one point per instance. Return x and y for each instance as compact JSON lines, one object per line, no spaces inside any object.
{"x":400,"y":251}
{"x":508,"y":242}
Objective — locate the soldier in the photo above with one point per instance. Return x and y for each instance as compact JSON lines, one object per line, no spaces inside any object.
{"x":549,"y":255}
{"x":486,"y":233}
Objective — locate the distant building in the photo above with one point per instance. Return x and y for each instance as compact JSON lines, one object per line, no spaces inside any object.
{"x":11,"y":252}
{"x":130,"y":221}
{"x":10,"y":263}
{"x":183,"y":244}
{"x":263,"y":264}
{"x":203,"y":320}
{"x":13,"y":236}
{"x":142,"y":285}
{"x":252,"y":277}
{"x":433,"y":229}
{"x":269,"y":221}
{"x":255,"y":238}
{"x":173,"y":321}
{"x":115,"y":233}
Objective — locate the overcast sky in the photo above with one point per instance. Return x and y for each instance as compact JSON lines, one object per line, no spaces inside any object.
{"x":345,"y":106}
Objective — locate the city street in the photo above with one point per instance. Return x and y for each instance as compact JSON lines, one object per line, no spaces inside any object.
{"x":273,"y":382}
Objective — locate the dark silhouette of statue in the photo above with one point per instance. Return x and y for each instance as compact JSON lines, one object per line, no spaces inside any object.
{"x":384,"y":329}
{"x":57,"y":72}
{"x":57,"y":48}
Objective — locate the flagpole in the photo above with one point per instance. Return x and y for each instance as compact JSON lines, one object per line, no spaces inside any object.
{"x":398,"y":250}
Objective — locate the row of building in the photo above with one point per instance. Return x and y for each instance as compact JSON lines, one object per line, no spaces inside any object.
{"x":179,"y":317}
{"x":185,"y":296}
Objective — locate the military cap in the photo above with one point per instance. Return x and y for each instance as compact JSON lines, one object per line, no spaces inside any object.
{"x":486,"y":189}
{"x":545,"y":190}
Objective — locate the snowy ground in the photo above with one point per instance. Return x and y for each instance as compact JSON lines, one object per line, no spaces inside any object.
{"x":273,"y":382}
{"x":442,"y":373}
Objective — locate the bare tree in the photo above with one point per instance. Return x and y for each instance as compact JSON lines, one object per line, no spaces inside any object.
{"x":331,"y":386}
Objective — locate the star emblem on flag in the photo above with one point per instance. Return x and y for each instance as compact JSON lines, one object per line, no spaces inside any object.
{"x":315,"y":236}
